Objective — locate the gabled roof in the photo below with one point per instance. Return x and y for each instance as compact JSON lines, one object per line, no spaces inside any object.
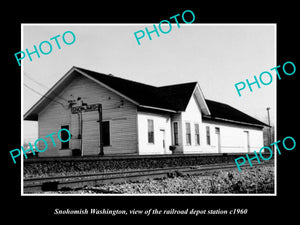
{"x":171,"y":98}
{"x":177,"y":96}
{"x":174,"y":97}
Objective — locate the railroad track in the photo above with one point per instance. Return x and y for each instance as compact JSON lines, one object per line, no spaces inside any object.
{"x":31,"y":185}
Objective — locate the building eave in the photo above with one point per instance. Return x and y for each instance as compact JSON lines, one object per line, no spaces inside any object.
{"x":201,"y":99}
{"x":31,"y":114}
{"x":156,"y":108}
{"x":234,"y":121}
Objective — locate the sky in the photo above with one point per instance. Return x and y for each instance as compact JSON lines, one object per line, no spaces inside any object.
{"x":217,"y":56}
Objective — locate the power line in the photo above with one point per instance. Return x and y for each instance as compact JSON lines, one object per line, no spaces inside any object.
{"x":58,"y":97}
{"x":42,"y":95}
{"x":44,"y":86}
{"x":36,"y":81}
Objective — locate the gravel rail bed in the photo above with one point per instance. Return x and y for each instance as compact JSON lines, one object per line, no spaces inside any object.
{"x":250,"y":180}
{"x":81,"y":166}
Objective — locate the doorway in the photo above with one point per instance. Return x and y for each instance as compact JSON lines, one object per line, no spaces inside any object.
{"x":217,"y":131}
{"x":246,"y":141}
{"x":163,"y":139}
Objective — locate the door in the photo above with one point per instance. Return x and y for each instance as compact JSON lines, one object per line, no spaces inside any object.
{"x":217,"y":131}
{"x":246,"y":141}
{"x":163,"y":139}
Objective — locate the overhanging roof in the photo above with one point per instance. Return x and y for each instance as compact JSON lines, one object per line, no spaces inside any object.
{"x":172,"y":98}
{"x":226,"y":113}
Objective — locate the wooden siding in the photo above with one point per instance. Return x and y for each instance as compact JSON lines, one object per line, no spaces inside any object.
{"x":122,"y":117}
{"x":90,"y":133}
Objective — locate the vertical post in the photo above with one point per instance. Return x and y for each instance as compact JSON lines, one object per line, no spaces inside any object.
{"x":101,"y":153}
{"x":81,"y":130}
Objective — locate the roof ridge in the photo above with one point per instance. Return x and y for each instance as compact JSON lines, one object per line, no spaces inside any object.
{"x":80,"y":68}
{"x":195,"y":82}
{"x":113,"y":76}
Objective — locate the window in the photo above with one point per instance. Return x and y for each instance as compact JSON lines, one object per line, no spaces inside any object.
{"x":197,"y":135}
{"x":64,"y":136}
{"x":188,"y":133}
{"x":150,"y":131}
{"x":207,"y":135}
{"x":175,"y":130}
{"x":106,"y":133}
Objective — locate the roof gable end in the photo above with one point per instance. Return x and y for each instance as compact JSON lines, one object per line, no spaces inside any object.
{"x":178,"y":96}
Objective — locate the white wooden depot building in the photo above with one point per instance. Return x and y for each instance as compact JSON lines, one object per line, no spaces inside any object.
{"x":139,"y":119}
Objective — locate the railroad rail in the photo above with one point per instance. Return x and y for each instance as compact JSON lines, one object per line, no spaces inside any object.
{"x":55,"y":183}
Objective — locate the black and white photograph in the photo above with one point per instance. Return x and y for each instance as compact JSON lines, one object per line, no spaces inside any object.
{"x":108,"y":113}
{"x":149,"y":111}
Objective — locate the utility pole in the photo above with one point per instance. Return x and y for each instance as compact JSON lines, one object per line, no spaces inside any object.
{"x":269,"y":136}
